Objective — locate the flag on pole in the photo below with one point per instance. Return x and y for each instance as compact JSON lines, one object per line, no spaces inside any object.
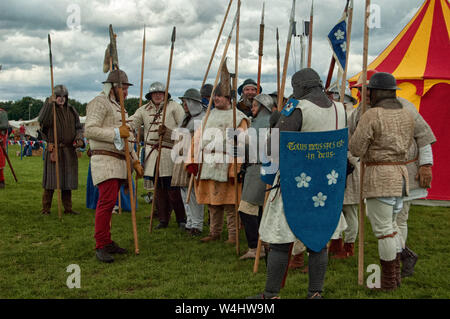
{"x":338,"y":41}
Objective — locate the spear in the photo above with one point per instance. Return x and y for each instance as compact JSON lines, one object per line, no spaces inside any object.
{"x":208,"y":110}
{"x":140,"y":104}
{"x":286,"y":57}
{"x":349,"y":33}
{"x":217,"y":42}
{"x":236,"y":189}
{"x":55,"y":133}
{"x":115,"y":65}
{"x":362,"y":206}
{"x":260,"y":50}
{"x":278,"y":64}
{"x":166,"y":94}
{"x":310,"y":33}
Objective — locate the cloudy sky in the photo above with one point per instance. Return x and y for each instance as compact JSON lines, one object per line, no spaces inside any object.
{"x":79,"y":32}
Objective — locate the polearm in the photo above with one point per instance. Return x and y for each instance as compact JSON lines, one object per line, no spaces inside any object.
{"x":9,"y":162}
{"x":286,"y":57}
{"x":236,"y":186}
{"x":55,"y":133}
{"x":278,"y":65}
{"x":260,"y":50}
{"x":158,"y":159}
{"x":208,"y":110}
{"x":217,"y":42}
{"x":140,"y":104}
{"x":115,"y":65}
{"x":349,"y":34}
{"x":362,"y":206}
{"x":310,"y":33}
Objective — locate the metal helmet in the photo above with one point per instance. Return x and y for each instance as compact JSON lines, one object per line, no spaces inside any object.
{"x":156,"y":87}
{"x":206,"y":90}
{"x":383,"y":81}
{"x":115,"y":75}
{"x":61,"y":90}
{"x":370,"y":73}
{"x":265,"y":100}
{"x":192,"y":94}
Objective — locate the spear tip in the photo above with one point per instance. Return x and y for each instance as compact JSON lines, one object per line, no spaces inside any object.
{"x":174,"y":34}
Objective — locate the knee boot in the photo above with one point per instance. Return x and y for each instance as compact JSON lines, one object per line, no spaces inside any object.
{"x":388,"y":275}
{"x":67,"y":202}
{"x":47,"y":197}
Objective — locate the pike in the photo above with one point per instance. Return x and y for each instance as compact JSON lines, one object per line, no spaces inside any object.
{"x":9,"y":162}
{"x":286,"y":56}
{"x":349,"y":33}
{"x":362,"y":206}
{"x":114,"y":64}
{"x":234,"y":97}
{"x":205,"y":118}
{"x":55,"y":133}
{"x":217,"y":42}
{"x":278,"y":64}
{"x":260,"y":49}
{"x":158,"y":159}
{"x":310,"y":33}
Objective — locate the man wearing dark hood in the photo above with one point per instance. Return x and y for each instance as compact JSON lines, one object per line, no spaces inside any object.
{"x":247,"y":91}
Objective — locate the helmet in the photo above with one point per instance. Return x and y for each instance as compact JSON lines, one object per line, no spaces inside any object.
{"x":192,"y":94}
{"x":156,"y":87}
{"x":116,"y":75}
{"x":265,"y":100}
{"x":370,"y":73}
{"x":206,"y":90}
{"x":248,"y":82}
{"x":61,"y":90}
{"x":383,"y":81}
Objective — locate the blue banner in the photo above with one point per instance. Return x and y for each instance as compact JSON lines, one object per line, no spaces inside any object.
{"x":338,"y":41}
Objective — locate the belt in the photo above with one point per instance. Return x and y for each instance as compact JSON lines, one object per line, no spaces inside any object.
{"x":391,"y":163}
{"x":108,"y":153}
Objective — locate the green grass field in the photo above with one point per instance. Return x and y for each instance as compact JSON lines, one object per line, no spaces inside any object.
{"x":35,"y":251}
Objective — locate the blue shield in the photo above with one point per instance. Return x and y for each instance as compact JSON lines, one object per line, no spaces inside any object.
{"x":313,"y":169}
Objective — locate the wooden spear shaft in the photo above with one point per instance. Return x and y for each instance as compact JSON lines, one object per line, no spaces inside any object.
{"x":236,"y":185}
{"x":347,"y":54}
{"x":55,"y":131}
{"x":217,"y":42}
{"x":158,"y":159}
{"x":310,"y":35}
{"x":362,"y":206}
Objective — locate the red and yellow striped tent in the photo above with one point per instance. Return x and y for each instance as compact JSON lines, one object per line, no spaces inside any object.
{"x":419,"y":58}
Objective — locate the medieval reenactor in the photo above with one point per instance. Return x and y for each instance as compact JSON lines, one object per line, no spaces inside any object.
{"x":313,"y":112}
{"x":382,"y":139}
{"x":150,"y":115}
{"x":205,"y":92}
{"x":247,"y":92}
{"x":105,"y":132}
{"x":194,"y":111}
{"x":253,"y":192}
{"x":215,"y":184}
{"x":70,"y":137}
{"x":3,"y":141}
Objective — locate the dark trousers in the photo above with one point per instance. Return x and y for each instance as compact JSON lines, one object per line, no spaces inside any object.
{"x":251,"y":226}
{"x":168,"y":198}
{"x":47,"y":197}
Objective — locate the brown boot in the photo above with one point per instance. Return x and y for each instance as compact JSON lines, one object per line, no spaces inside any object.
{"x":297,"y":261}
{"x":349,"y":248}
{"x":209,"y":238}
{"x":47,"y":197}
{"x":66,"y":196}
{"x":398,"y":270}
{"x":335,"y":246}
{"x":388,"y":275}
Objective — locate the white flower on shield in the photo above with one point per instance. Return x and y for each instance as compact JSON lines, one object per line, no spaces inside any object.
{"x":319,"y":200}
{"x":344,"y":46}
{"x":332,"y":177}
{"x":339,"y":34}
{"x":263,"y":171}
{"x":303,"y":180}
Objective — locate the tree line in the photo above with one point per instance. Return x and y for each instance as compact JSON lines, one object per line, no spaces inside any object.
{"x":29,"y":108}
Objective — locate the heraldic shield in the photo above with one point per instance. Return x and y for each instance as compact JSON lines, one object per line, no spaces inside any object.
{"x":312,"y":179}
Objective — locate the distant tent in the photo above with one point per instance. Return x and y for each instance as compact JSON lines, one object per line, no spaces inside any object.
{"x":419,"y":59}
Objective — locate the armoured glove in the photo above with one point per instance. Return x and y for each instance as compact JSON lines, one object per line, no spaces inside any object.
{"x":124,"y":131}
{"x":424,"y":176}
{"x":138,"y":168}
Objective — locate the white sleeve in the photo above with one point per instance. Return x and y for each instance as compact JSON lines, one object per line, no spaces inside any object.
{"x":118,"y":142}
{"x":425,"y":155}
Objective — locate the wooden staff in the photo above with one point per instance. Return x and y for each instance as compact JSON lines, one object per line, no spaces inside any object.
{"x":9,"y":162}
{"x":278,"y":65}
{"x":362,"y":206}
{"x":347,"y":53}
{"x":55,"y":132}
{"x":208,"y":110}
{"x":236,"y":186}
{"x":158,"y":159}
{"x":310,"y":34}
{"x":140,"y":104}
{"x":286,"y":57}
{"x":260,"y":50}
{"x":217,"y":42}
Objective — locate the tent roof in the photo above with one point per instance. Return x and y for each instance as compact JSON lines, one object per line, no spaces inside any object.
{"x":420,"y":51}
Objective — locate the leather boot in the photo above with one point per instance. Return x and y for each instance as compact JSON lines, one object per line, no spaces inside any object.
{"x":66,"y":196}
{"x":209,"y":238}
{"x":349,"y":248}
{"x":335,"y":246}
{"x":408,"y":259}
{"x":398,"y":270}
{"x":388,"y":275}
{"x":47,"y":197}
